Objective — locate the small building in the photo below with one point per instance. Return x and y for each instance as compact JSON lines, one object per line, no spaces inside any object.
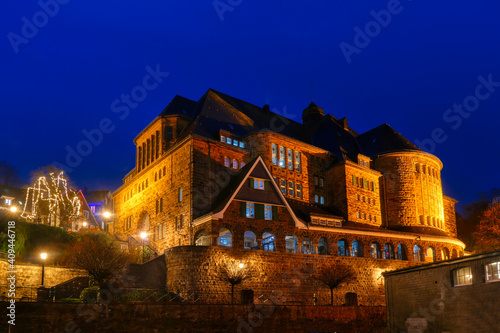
{"x":11,"y":201}
{"x":99,"y":202}
{"x":458,"y":295}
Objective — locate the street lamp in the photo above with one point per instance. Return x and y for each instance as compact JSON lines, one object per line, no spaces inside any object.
{"x":143,"y":236}
{"x":84,"y":224}
{"x":43,"y":256}
{"x":105,"y":215}
{"x":13,"y":209}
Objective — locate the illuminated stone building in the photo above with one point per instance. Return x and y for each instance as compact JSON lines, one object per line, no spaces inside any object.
{"x":224,"y":173}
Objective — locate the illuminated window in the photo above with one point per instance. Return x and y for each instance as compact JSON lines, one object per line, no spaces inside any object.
{"x":222,"y":138}
{"x":226,"y":162}
{"x":299,"y":190}
{"x":268,"y":212}
{"x":229,"y":141}
{"x":375,"y":251}
{"x":282,"y":157}
{"x":358,"y":215}
{"x":354,"y":180}
{"x":356,"y":249}
{"x":297,"y":161}
{"x":235,"y":142}
{"x":225,"y":238}
{"x":250,"y":242}
{"x":259,"y":184}
{"x":418,"y":254}
{"x":274,"y":152}
{"x":8,"y":202}
{"x":291,"y":189}
{"x":292,"y":244}
{"x":321,"y":200}
{"x":290,"y":159}
{"x":283,"y":186}
{"x":462,"y":276}
{"x":343,"y":248}
{"x":388,"y":251}
{"x":316,"y":198}
{"x":235,"y":164}
{"x":250,"y":210}
{"x":242,"y":144}
{"x":401,"y":253}
{"x":268,"y":242}
{"x":493,"y":271}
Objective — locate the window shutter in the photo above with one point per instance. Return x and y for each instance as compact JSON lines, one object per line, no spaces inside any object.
{"x":250,"y":182}
{"x":267,"y":185}
{"x":259,"y":211}
{"x":243,"y":209}
{"x":275,"y":213}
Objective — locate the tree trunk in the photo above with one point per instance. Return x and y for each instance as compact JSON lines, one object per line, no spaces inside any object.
{"x":232,"y":293}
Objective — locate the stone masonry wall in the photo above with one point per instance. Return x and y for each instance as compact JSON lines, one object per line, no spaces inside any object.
{"x":193,"y":270}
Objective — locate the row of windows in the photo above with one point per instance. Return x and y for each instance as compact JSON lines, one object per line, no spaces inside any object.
{"x":160,"y":231}
{"x":368,"y":217}
{"x":253,"y":210}
{"x":162,"y":172}
{"x":319,"y":199}
{"x":319,"y":181}
{"x":362,"y":198}
{"x":128,"y":222}
{"x":233,"y":164}
{"x":463,"y":276}
{"x":293,"y":189}
{"x":363,"y":183}
{"x":326,"y":222}
{"x":431,"y":221}
{"x":232,"y":141}
{"x":159,"y":205}
{"x":425,"y":169}
{"x":287,"y":158}
{"x":148,"y":152}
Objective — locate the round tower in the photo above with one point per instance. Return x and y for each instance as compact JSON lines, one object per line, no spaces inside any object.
{"x":412,"y":190}
{"x":312,"y":114}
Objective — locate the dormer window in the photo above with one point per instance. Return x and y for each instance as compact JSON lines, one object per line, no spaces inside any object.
{"x":229,"y":141}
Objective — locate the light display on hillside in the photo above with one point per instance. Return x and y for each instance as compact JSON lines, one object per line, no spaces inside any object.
{"x":49,"y":198}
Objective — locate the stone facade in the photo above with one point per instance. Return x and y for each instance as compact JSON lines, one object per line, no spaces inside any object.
{"x":324,"y":189}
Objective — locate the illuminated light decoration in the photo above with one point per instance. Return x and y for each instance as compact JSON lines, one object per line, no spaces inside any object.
{"x":55,"y":193}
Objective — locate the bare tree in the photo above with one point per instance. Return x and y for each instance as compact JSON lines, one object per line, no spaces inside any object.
{"x":234,"y":273}
{"x":334,"y":275}
{"x":9,"y":176}
{"x":95,"y":252}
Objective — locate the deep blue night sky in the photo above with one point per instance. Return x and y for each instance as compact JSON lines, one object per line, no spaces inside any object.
{"x":66,"y":74}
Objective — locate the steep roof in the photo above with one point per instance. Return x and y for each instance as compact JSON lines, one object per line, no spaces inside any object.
{"x":216,"y":111}
{"x":96,"y":196}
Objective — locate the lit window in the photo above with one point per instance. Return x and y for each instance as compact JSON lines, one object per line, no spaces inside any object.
{"x":274,"y":154}
{"x":316,"y":199}
{"x":354,"y":180}
{"x":290,"y":159}
{"x":375,"y":251}
{"x":322,"y":200}
{"x":268,"y":212}
{"x":229,"y":141}
{"x":493,"y":271}
{"x":242,"y":164}
{"x":8,"y":202}
{"x":180,"y":194}
{"x":283,"y":186}
{"x":258,"y":184}
{"x":282,"y":157}
{"x":297,"y":161}
{"x":235,"y":142}
{"x":358,"y":215}
{"x":222,"y":138}
{"x":226,"y":162}
{"x":299,"y":190}
{"x":250,"y":211}
{"x":357,"y":197}
{"x":235,"y":164}
{"x":291,"y":189}
{"x":462,"y":276}
{"x":242,"y":144}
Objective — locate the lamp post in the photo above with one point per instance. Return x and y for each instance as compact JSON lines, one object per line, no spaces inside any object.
{"x":43,"y":256}
{"x":13,"y":209}
{"x":105,"y":215}
{"x":143,"y":236}
{"x":84,"y":224}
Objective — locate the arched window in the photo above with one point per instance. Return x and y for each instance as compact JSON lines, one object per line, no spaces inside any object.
{"x":268,"y":242}
{"x":292,"y":244}
{"x":201,"y":238}
{"x":430,"y":254}
{"x":445,"y":253}
{"x":454,"y":253}
{"x":388,"y":251}
{"x":307,"y":247}
{"x":375,"y":251}
{"x":418,"y":254}
{"x":402,"y":252}
{"x":322,"y":246}
{"x":250,"y":241}
{"x":343,"y":248}
{"x":225,"y":238}
{"x":356,"y":249}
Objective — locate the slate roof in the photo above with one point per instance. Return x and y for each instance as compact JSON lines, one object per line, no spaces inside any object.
{"x":216,"y":111}
{"x":96,"y":196}
{"x":303,"y":210}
